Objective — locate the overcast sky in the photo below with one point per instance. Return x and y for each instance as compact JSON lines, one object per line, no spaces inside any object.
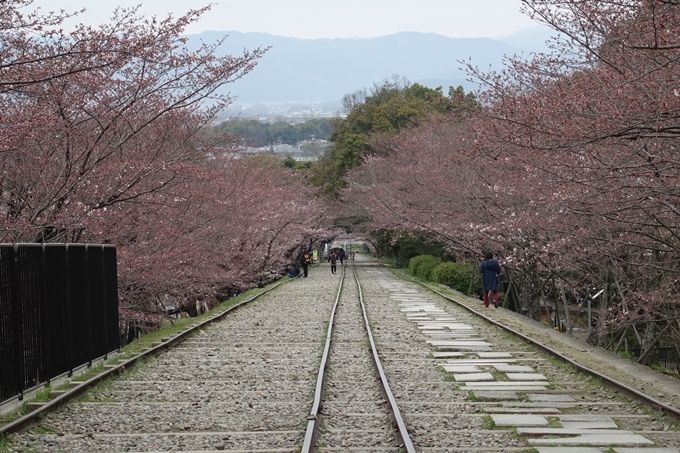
{"x":327,"y":19}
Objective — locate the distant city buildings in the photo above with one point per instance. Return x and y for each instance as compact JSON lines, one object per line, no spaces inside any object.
{"x":306,"y":151}
{"x":293,"y":113}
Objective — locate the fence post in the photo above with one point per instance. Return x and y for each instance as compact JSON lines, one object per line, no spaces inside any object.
{"x":105,"y":302}
{"x":45,"y":359}
{"x":69,"y":312}
{"x":17,"y":322}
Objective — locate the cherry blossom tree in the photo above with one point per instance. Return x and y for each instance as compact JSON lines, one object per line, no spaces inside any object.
{"x":569,"y":171}
{"x":102,"y":139}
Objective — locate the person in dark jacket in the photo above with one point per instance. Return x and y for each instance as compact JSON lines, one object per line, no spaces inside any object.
{"x":305,"y":261}
{"x":341,"y":256}
{"x":293,"y":271}
{"x":490,"y":269}
{"x":333,"y":258}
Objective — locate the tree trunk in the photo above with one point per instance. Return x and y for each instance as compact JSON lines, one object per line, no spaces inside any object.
{"x":566,"y":307}
{"x":623,"y":337}
{"x":645,"y":355}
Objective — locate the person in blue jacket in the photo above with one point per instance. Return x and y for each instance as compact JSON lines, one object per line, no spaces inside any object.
{"x":490,"y":269}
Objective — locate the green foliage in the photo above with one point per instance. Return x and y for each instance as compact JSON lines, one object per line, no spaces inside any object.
{"x":489,"y":423}
{"x":294,"y":165}
{"x":403,"y":246}
{"x":423,"y":265}
{"x":458,"y":277}
{"x":626,"y":355}
{"x":43,"y":394}
{"x":381,"y":111}
{"x":44,"y":429}
{"x":407,"y":247}
{"x":256,"y":133}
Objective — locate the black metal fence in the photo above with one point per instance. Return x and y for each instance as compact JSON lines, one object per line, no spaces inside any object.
{"x":58,"y":310}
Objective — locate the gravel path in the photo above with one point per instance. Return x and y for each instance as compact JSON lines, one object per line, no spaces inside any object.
{"x":245,"y":383}
{"x":454,"y":412}
{"x":354,"y":413}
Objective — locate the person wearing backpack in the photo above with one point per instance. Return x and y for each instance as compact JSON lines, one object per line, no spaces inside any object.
{"x":334,"y":262}
{"x":305,"y":261}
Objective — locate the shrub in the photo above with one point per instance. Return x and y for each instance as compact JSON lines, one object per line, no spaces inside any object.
{"x":422,"y":266}
{"x":458,"y":276}
{"x":415,"y":262}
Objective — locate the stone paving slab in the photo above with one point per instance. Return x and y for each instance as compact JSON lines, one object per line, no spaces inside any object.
{"x":586,"y":418}
{"x":550,"y":398}
{"x":479,"y":362}
{"x":596,"y":439}
{"x":497,"y":395}
{"x":473,"y":377}
{"x":446,"y":355}
{"x":456,"y":343}
{"x":645,"y":450}
{"x":512,"y":384}
{"x":515,"y":420}
{"x":444,"y":335}
{"x":511,"y":404}
{"x":589,"y":425}
{"x":463,"y":328}
{"x":462,"y":369}
{"x":494,"y":355}
{"x":510,"y":410}
{"x":514,"y":368}
{"x":600,"y":437}
{"x":568,"y":450}
{"x":526,"y":377}
{"x":524,"y":388}
{"x":586,"y":421}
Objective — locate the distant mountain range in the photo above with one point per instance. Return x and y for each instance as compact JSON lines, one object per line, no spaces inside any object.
{"x":323,"y":70}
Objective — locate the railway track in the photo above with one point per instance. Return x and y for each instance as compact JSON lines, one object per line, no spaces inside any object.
{"x":251,"y":383}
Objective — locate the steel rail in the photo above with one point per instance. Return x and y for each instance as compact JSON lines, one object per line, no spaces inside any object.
{"x":314,"y":418}
{"x":38,"y":414}
{"x":609,"y":381}
{"x":400,"y":432}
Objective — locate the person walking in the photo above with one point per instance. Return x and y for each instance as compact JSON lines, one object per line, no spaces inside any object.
{"x":490,"y":269}
{"x":341,"y":255}
{"x":333,"y":258}
{"x":305,"y":261}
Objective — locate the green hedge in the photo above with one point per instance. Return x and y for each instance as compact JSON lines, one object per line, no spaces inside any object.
{"x":423,"y":265}
{"x":458,"y":276}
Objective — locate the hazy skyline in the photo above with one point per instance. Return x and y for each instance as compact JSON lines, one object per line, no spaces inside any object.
{"x":315,"y":19}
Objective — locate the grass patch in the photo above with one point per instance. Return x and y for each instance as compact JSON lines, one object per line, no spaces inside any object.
{"x":388,"y":261}
{"x":91,"y":372}
{"x":471,"y":397}
{"x":4,"y":445}
{"x":42,"y":395}
{"x":659,"y":415}
{"x":554,"y":422}
{"x":626,"y":355}
{"x":44,"y":429}
{"x":499,"y":375}
{"x":488,"y":422}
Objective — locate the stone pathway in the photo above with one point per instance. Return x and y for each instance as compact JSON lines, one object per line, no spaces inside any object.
{"x":527,"y":401}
